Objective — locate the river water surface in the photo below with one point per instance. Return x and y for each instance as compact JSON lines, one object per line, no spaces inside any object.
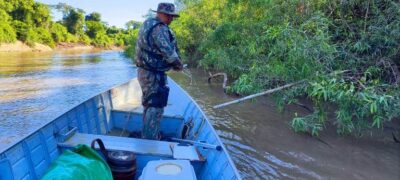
{"x":36,"y":88}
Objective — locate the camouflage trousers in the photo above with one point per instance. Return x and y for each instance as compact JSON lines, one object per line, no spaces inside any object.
{"x":151,"y":115}
{"x":151,"y":123}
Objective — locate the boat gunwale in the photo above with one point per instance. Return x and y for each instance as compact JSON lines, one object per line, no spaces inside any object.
{"x":212,"y":130}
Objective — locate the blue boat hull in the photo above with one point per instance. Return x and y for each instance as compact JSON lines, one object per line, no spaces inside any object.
{"x":112,"y":116}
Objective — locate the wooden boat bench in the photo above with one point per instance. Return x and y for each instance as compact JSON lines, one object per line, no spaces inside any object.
{"x":146,"y":147}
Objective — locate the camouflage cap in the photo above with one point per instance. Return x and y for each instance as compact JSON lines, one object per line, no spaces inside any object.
{"x":167,"y":8}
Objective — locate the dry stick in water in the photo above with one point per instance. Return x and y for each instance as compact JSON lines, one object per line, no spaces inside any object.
{"x":258,"y":94}
{"x":270,"y":91}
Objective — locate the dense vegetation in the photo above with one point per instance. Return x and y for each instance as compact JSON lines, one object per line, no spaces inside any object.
{"x":31,"y":22}
{"x":348,"y":53}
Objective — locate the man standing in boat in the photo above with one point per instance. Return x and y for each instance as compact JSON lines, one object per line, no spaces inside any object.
{"x":156,"y":53}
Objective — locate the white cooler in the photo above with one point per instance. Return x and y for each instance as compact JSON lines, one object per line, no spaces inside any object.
{"x":168,"y":170}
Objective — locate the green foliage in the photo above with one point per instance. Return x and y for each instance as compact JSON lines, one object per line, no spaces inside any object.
{"x":43,"y":36}
{"x":102,"y":40}
{"x":118,"y":38}
{"x":59,"y":33}
{"x":365,"y":104}
{"x":97,"y":32}
{"x":94,"y":16}
{"x":7,"y":32}
{"x":31,"y":35}
{"x":63,"y":8}
{"x":31,"y":23}
{"x":41,"y":15}
{"x":244,"y":85}
{"x":22,"y":10}
{"x":74,"y":20}
{"x":113,"y":30}
{"x":265,"y":44}
{"x":194,"y":25}
{"x":25,"y":20}
{"x":85,"y":39}
{"x":21,"y":29}
{"x":309,"y":124}
{"x":72,"y":38}
{"x":133,"y":25}
{"x":131,"y":41}
{"x":93,"y":28}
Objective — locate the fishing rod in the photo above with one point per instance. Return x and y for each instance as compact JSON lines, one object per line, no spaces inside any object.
{"x":198,"y":144}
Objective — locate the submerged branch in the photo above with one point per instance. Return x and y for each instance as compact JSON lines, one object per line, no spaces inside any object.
{"x":219,"y":74}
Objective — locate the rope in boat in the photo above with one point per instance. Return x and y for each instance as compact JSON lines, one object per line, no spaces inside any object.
{"x":126,"y":124}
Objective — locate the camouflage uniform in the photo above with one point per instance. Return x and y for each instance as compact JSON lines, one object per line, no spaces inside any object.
{"x":156,"y":49}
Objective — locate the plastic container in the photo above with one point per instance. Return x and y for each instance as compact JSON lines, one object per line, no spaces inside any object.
{"x":168,"y":170}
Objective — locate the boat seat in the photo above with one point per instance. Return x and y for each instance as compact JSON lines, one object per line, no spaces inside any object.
{"x":171,"y":123}
{"x":138,"y":146}
{"x":135,"y":108}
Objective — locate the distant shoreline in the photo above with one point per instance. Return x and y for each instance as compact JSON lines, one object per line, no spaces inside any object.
{"x":19,"y":46}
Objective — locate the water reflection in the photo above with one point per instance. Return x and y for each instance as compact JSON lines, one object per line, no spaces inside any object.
{"x":16,"y":63}
{"x":35,"y":88}
{"x":15,"y":89}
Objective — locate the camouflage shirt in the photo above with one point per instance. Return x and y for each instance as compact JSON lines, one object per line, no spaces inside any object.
{"x":156,"y":46}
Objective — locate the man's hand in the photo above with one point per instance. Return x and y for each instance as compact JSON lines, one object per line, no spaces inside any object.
{"x":177,"y":65}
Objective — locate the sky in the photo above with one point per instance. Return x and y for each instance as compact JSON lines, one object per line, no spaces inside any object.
{"x":114,"y":12}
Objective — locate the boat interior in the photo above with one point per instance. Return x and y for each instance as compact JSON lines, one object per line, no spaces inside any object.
{"x":115,"y":117}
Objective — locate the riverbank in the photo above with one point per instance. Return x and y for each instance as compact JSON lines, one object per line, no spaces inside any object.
{"x":263,"y":145}
{"x":19,"y":46}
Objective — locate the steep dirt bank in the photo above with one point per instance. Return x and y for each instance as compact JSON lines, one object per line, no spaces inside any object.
{"x":73,"y":46}
{"x":19,"y":46}
{"x":83,"y":47}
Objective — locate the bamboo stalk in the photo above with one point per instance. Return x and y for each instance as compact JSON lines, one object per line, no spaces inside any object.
{"x":271,"y":91}
{"x":258,"y":94}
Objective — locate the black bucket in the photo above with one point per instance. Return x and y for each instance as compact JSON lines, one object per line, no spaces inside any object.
{"x":122,"y":163}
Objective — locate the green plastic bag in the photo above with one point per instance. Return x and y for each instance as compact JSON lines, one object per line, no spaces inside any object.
{"x":81,"y":163}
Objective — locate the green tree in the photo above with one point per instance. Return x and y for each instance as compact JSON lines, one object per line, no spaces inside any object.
{"x":7,"y":32}
{"x":195,"y":23}
{"x":63,"y":8}
{"x":113,"y":30}
{"x":93,"y":28}
{"x":132,"y":24}
{"x":95,"y":16}
{"x":41,"y":15}
{"x":25,"y":20}
{"x":74,"y":20}
{"x":43,"y":36}
{"x":59,"y":33}
{"x":96,"y":30}
{"x":29,"y":21}
{"x":130,"y":40}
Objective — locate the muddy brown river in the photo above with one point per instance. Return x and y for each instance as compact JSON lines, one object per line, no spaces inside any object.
{"x":35,"y":88}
